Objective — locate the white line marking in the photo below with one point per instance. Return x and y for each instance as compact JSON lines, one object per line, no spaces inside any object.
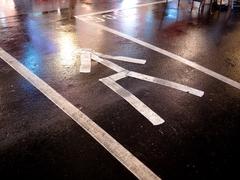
{"x":122,"y":73}
{"x":154,"y":118}
{"x":167,"y":83}
{"x":107,"y":63}
{"x":122,"y":58}
{"x":85,"y":66}
{"x":169,"y":54}
{"x":119,"y":75}
{"x":108,"y":142}
{"x":121,"y":9}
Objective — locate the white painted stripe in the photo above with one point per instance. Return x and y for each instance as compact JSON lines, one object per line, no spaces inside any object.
{"x":167,"y":83}
{"x":107,"y":63}
{"x":154,"y":118}
{"x":119,"y":75}
{"x":108,"y":142}
{"x":121,"y":9}
{"x":170,"y":54}
{"x":122,"y":58}
{"x":122,"y":73}
{"x":85,"y":66}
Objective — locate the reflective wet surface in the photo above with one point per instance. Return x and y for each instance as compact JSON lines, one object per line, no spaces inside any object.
{"x":199,"y":139}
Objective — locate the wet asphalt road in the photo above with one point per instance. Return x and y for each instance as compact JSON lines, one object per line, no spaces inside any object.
{"x":199,"y":139}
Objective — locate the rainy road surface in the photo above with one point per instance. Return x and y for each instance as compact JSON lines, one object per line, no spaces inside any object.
{"x":175,"y":116}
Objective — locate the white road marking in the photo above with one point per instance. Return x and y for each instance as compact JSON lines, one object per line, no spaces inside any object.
{"x":154,"y":118}
{"x":110,"y":81}
{"x":85,"y":65}
{"x":107,"y":63}
{"x":119,"y":75}
{"x":169,"y":54}
{"x":108,"y":142}
{"x":122,"y":73}
{"x":122,"y":58}
{"x":167,"y":83}
{"x":121,"y":9}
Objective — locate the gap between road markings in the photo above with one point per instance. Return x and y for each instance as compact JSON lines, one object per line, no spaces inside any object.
{"x":133,"y":164}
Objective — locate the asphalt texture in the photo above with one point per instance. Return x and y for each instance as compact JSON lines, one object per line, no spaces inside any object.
{"x":199,"y":139}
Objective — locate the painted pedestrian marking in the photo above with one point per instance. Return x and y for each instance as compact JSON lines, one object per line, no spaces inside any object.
{"x":121,"y":58}
{"x":122,"y":9}
{"x":166,"y":53}
{"x":142,"y":108}
{"x":126,"y":158}
{"x":85,"y":66}
{"x":111,"y":82}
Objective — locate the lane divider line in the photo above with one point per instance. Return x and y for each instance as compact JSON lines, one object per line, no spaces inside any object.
{"x":167,"y":53}
{"x":142,"y":108}
{"x":121,"y":9}
{"x":125,"y":157}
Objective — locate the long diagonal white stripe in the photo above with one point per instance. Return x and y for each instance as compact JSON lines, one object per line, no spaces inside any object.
{"x":169,"y":54}
{"x":108,"y":142}
{"x":142,"y":108}
{"x":167,"y":83}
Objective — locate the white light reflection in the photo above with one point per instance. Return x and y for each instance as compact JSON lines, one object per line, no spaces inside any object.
{"x":67,"y":49}
{"x":7,"y":8}
{"x":129,"y":21}
{"x":87,"y":7}
{"x":128,"y":3}
{"x":9,"y":4}
{"x":58,"y":11}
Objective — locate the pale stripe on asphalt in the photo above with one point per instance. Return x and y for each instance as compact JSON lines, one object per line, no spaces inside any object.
{"x":122,"y":73}
{"x":107,"y":63}
{"x":122,"y":58}
{"x":134,"y":165}
{"x":169,"y":54}
{"x":85,"y":64}
{"x":142,"y":108}
{"x":119,"y":75}
{"x":167,"y":83}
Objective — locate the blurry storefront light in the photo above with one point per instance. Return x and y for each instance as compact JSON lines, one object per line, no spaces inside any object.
{"x":172,"y":13}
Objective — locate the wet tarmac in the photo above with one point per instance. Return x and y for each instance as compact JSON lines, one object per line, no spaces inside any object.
{"x":198,"y":139}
